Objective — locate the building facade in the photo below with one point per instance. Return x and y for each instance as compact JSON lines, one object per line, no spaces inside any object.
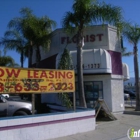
{"x":103,"y":69}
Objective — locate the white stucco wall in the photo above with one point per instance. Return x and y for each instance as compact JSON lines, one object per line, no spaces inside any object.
{"x":117,"y":94}
{"x":112,"y":90}
{"x":48,"y":126}
{"x":113,"y":39}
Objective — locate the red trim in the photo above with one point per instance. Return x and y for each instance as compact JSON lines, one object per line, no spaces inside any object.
{"x":44,"y":123}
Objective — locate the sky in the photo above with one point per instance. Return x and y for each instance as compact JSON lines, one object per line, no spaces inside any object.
{"x":55,"y":10}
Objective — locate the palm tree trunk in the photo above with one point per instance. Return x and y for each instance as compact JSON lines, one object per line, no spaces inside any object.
{"x":29,"y":66}
{"x":136,"y":69}
{"x":38,"y":96}
{"x":30,"y":55}
{"x":80,"y":41}
{"x":38,"y":56}
{"x":22,"y":59}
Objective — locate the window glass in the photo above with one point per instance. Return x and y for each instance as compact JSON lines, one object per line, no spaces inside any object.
{"x":98,"y":84}
{"x":93,"y":92}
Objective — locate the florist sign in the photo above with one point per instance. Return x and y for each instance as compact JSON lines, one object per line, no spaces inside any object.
{"x":19,"y":80}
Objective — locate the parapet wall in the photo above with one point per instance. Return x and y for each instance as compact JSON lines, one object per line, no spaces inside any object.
{"x":47,"y":126}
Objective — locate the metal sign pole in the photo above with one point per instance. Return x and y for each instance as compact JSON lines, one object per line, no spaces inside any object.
{"x":33,"y":103}
{"x":74,"y":101}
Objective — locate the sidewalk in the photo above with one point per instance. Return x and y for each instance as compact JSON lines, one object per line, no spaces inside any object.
{"x":111,"y":130}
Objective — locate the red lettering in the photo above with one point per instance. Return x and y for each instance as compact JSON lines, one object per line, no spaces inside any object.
{"x":58,"y":86}
{"x":36,"y":74}
{"x":44,"y":74}
{"x":100,"y":36}
{"x":1,"y":87}
{"x":13,"y":72}
{"x":29,"y":74}
{"x":1,"y":72}
{"x":69,"y":75}
{"x":64,"y":86}
{"x":18,"y":87}
{"x":87,"y":38}
{"x":92,"y":38}
{"x":51,"y":74}
{"x":61,"y":75}
{"x":71,"y":86}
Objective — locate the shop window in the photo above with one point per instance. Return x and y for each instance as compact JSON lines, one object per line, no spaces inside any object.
{"x":93,"y":92}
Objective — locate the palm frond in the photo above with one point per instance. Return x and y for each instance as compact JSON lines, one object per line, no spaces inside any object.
{"x":132,"y":33}
{"x":87,"y":12}
{"x":26,"y":12}
{"x":125,"y":53}
{"x":7,"y":61}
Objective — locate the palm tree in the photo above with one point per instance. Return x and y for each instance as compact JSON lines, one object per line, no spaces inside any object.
{"x":36,"y":31}
{"x":17,"y":24}
{"x":86,"y":12}
{"x":7,"y":61}
{"x":132,"y":33}
{"x":13,"y":40}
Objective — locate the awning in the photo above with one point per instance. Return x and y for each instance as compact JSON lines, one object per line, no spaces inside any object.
{"x":94,"y":61}
{"x":125,"y":71}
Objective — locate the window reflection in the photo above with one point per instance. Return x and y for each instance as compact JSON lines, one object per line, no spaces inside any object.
{"x":93,"y":92}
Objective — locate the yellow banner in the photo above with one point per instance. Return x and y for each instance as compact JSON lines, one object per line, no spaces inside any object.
{"x":21,"y":80}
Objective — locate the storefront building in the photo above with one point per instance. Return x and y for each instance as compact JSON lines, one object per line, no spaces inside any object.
{"x":103,"y":69}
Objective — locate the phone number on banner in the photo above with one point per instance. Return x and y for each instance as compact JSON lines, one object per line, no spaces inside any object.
{"x":36,"y":87}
